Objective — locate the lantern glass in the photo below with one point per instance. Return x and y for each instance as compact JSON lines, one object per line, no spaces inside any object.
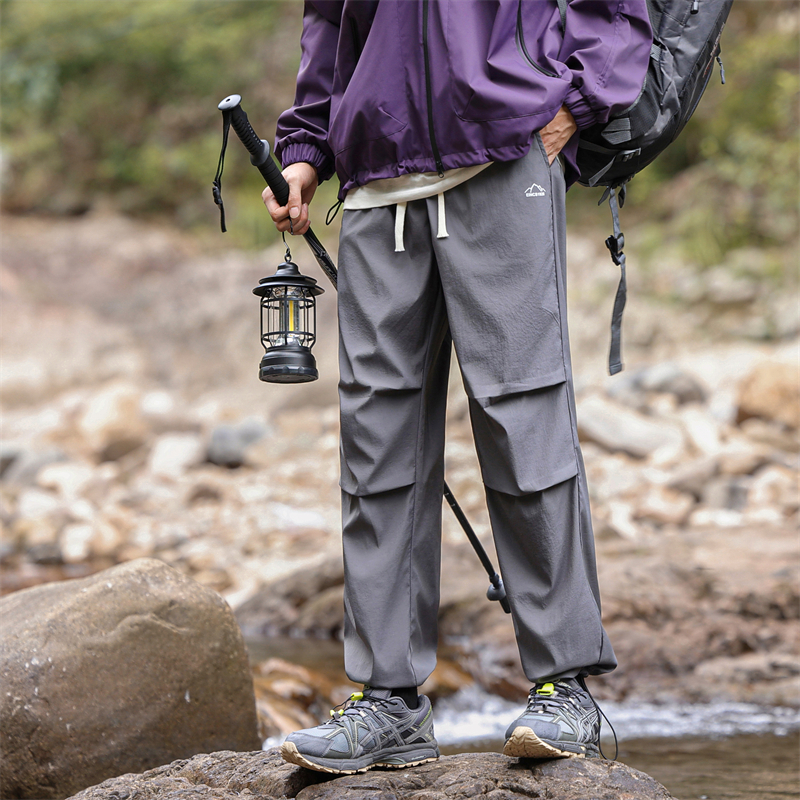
{"x":288,"y":317}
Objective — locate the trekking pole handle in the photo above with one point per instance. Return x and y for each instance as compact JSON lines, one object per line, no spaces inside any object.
{"x":261,"y":157}
{"x":258,"y":148}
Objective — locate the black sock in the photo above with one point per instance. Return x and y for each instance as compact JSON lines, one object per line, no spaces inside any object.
{"x":408,"y":694}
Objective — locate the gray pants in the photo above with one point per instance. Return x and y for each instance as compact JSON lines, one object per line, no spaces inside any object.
{"x":495,"y":288}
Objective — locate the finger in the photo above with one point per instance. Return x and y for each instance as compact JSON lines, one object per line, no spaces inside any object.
{"x":299,"y":230}
{"x":300,"y":225}
{"x":553,"y":146}
{"x":276,"y":211}
{"x":302,"y":221}
{"x":296,"y":230}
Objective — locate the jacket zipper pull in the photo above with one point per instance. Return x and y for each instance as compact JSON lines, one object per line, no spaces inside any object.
{"x":721,"y":68}
{"x":695,"y":6}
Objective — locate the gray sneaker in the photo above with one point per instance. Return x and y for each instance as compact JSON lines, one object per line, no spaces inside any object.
{"x":373,"y":730}
{"x":561,"y":720}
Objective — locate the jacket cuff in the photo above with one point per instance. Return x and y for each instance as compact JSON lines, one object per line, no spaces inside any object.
{"x":310,"y":153}
{"x":585,"y":116}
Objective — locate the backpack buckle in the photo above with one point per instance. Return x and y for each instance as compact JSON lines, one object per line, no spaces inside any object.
{"x":629,"y":154}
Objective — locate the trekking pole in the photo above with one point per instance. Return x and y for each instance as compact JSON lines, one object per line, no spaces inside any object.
{"x":234,"y":115}
{"x":496,"y":590}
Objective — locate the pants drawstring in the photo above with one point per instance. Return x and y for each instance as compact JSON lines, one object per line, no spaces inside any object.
{"x":400,"y":221}
{"x":399,"y":225}
{"x":442,"y":232}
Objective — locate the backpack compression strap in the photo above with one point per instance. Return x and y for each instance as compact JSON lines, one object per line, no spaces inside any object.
{"x":562,"y":9}
{"x":615,"y":243}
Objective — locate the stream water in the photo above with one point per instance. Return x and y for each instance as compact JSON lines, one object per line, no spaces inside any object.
{"x":717,"y":751}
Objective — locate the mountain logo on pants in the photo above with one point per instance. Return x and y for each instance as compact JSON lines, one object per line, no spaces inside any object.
{"x":534,"y":191}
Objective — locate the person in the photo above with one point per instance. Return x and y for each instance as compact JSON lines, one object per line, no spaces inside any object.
{"x":451,"y":127}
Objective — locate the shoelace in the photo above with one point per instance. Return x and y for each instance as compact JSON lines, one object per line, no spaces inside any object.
{"x":545,"y":697}
{"x":561,"y":694}
{"x":582,"y":681}
{"x":356,"y":699}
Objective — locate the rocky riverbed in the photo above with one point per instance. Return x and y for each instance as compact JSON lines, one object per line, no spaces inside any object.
{"x":134,"y":425}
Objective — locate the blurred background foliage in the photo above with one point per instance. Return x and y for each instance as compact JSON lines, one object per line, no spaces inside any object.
{"x":113,"y":104}
{"x":731,"y":179}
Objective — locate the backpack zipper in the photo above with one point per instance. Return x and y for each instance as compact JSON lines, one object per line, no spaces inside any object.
{"x":429,"y":89}
{"x":524,"y":49}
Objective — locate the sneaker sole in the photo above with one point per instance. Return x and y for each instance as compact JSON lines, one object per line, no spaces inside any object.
{"x":524,"y":743}
{"x":290,"y":753}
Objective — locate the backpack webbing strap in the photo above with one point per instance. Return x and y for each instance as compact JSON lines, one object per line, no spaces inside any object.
{"x":562,"y":9}
{"x":614,"y":157}
{"x":615,"y":243}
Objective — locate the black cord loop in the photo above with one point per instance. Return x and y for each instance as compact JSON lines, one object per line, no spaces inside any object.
{"x":216,"y":188}
{"x":332,"y":212}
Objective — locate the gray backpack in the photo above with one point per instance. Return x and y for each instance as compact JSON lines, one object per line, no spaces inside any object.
{"x":686,"y":36}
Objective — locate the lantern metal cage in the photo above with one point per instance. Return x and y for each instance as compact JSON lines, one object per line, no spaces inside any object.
{"x":288,"y":325}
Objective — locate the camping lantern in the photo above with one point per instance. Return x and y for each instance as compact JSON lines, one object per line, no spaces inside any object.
{"x":288,"y":325}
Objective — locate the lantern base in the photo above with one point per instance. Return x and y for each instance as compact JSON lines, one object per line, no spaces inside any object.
{"x":290,"y":364}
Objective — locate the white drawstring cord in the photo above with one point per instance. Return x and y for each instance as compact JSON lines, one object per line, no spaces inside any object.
{"x":442,"y":232}
{"x":400,"y":222}
{"x":399,"y":225}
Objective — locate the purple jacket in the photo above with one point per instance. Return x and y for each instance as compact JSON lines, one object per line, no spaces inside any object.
{"x":389,"y":87}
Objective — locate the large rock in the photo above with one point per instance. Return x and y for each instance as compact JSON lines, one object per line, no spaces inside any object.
{"x":771,"y":391}
{"x":111,"y":423}
{"x":120,"y":672}
{"x":617,"y":428}
{"x":278,"y":608}
{"x":264,"y":776}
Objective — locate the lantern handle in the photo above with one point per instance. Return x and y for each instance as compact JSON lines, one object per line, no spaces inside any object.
{"x":260,"y":157}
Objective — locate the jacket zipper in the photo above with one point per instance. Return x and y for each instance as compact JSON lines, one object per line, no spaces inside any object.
{"x":429,"y":90}
{"x":524,"y":49}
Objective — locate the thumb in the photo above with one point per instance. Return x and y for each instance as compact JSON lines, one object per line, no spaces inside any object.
{"x":295,"y":201}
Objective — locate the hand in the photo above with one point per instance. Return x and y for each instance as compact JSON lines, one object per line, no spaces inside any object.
{"x":302,"y":180}
{"x":558,"y":132}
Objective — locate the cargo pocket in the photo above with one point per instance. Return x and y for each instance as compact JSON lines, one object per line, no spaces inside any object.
{"x":525,"y":440}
